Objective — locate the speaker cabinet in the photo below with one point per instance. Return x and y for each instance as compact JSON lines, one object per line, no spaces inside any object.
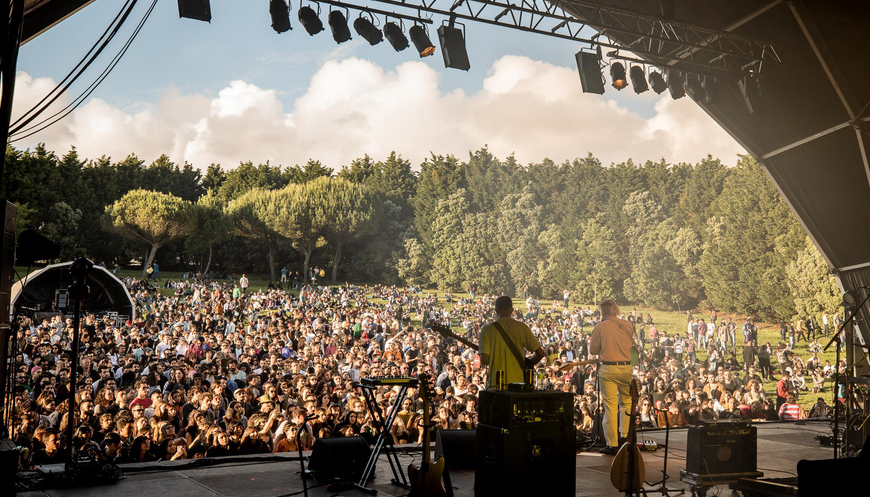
{"x":457,"y":448}
{"x":453,"y":48}
{"x":722,"y":448}
{"x":342,"y":459}
{"x":195,"y":9}
{"x":538,"y":460}
{"x":590,"y":72}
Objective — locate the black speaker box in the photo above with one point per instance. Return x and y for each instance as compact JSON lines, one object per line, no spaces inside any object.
{"x":590,"y":72}
{"x":457,"y":448}
{"x":539,"y":460}
{"x":525,"y":408}
{"x":453,"y":48}
{"x":846,"y":476}
{"x":195,"y":9}
{"x":341,"y":459}
{"x":722,"y":448}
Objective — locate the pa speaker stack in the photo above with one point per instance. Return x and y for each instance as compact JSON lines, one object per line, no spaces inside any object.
{"x":339,"y":459}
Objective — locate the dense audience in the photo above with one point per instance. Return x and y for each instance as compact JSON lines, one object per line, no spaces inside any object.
{"x":210,"y":369}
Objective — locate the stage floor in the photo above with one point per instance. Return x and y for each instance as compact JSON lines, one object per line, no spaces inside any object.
{"x":780,"y":447}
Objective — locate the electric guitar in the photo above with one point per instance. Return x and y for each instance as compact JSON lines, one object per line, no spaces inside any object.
{"x":627,"y":470}
{"x":426,"y":481}
{"x":447,"y":332}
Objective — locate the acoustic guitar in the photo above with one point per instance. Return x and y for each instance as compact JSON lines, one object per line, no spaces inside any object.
{"x":627,"y":471}
{"x":426,"y":481}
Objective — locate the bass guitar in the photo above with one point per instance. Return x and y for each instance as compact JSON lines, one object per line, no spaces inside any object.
{"x":447,"y":332}
{"x":627,"y":470}
{"x":426,"y":481}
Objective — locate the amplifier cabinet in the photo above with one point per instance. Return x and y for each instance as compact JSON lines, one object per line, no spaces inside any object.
{"x":722,"y":448}
{"x":524,"y":408}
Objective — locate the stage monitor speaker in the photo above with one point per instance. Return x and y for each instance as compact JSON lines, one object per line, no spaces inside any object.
{"x":720,"y":448}
{"x":195,"y":9}
{"x":9,"y":455}
{"x":457,"y":448}
{"x":846,"y":476}
{"x":339,"y":459}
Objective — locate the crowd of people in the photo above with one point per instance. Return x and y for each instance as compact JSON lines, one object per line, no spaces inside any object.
{"x":206,"y":370}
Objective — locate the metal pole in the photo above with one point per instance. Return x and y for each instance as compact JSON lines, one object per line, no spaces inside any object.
{"x":8,"y":65}
{"x":73,"y":369}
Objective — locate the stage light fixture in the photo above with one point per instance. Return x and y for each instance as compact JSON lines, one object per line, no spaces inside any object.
{"x":368,"y":31}
{"x":675,"y":86}
{"x":750,"y":89}
{"x":695,"y":90}
{"x":657,"y":82}
{"x":195,"y":9}
{"x":711,"y":89}
{"x":395,"y":36}
{"x":310,"y":21}
{"x":589,"y":66}
{"x":617,"y":75}
{"x":280,"y":13}
{"x":452,"y":43}
{"x":338,"y":25}
{"x":421,"y":41}
{"x":638,"y":79}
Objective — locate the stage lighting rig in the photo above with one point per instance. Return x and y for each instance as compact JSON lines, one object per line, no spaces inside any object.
{"x":368,"y":30}
{"x":280,"y":13}
{"x":452,"y":43}
{"x":657,"y":82}
{"x":338,"y":25}
{"x":421,"y":41}
{"x":675,"y":85}
{"x":395,"y":36}
{"x":638,"y":79}
{"x":617,"y":75}
{"x":310,"y":20}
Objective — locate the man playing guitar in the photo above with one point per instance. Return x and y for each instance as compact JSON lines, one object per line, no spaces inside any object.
{"x":497,"y":354}
{"x":612,"y":341}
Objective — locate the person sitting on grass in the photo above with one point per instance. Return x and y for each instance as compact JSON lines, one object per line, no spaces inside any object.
{"x":791,"y":411}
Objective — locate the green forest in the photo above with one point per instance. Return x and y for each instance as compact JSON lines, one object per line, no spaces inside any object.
{"x":668,"y":236}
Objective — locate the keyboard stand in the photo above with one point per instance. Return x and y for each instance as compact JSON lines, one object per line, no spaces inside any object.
{"x":384,"y":439}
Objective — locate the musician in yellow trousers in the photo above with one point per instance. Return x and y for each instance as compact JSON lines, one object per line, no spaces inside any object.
{"x":612,"y":340}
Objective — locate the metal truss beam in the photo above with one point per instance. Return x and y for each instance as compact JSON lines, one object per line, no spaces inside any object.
{"x":659,"y":40}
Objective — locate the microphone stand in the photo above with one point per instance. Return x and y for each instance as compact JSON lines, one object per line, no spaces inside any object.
{"x":302,"y":459}
{"x":836,"y":338}
{"x":663,"y":489}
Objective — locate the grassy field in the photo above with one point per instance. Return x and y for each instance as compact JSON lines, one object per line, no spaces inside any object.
{"x":669,"y":321}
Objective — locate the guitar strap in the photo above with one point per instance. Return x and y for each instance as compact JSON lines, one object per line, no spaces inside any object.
{"x":510,"y":345}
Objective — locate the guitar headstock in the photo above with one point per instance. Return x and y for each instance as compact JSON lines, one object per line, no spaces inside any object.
{"x":442,"y":330}
{"x":425,"y":387}
{"x":633,"y":391}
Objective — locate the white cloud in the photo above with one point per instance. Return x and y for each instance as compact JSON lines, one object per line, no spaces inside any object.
{"x":353,"y":107}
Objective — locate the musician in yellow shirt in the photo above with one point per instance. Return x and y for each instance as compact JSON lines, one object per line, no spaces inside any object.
{"x":495,"y":353}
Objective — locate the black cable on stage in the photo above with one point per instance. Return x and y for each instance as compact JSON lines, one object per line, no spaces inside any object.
{"x":78,"y":101}
{"x":86,"y":60}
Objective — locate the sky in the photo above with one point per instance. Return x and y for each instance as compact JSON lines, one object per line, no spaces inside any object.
{"x":233,"y":90}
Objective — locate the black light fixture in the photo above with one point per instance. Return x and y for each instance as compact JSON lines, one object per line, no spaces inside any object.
{"x":280,"y":13}
{"x":694,"y":89}
{"x":195,"y":9}
{"x":338,"y":25}
{"x":421,"y":41}
{"x":309,"y":20}
{"x":638,"y":79}
{"x":589,"y":66}
{"x":452,"y":41}
{"x":617,"y":75}
{"x":395,"y":36}
{"x":675,"y":86}
{"x":368,"y":31}
{"x":657,"y":82}
{"x":711,"y":89}
{"x":750,"y":89}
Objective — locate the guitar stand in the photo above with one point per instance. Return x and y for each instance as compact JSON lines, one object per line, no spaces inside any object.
{"x":384,"y":438}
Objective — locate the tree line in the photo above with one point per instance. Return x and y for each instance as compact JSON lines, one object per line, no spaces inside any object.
{"x":669,"y":236}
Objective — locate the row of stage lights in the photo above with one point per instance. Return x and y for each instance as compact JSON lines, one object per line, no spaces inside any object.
{"x":451,"y":38}
{"x":701,"y":88}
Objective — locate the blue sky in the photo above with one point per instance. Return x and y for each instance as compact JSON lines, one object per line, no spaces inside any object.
{"x":198,"y":60}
